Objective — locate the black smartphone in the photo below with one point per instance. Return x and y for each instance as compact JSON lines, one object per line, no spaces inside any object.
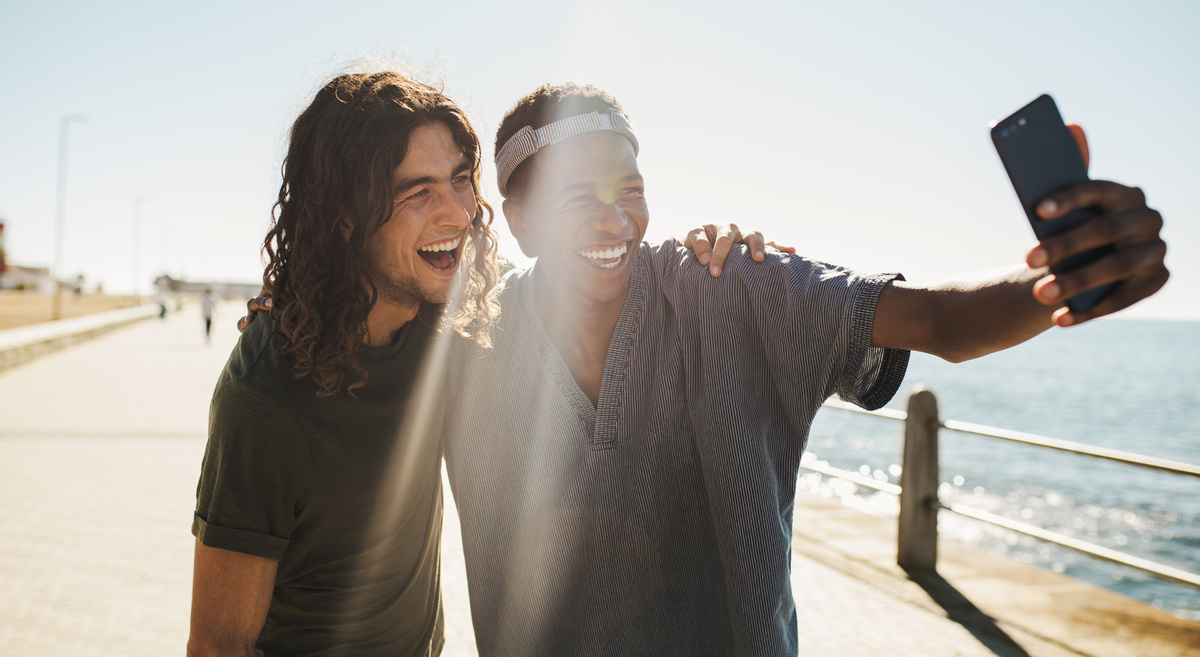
{"x":1041,"y":158}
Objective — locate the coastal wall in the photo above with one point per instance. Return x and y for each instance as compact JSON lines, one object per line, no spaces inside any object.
{"x":24,"y":343}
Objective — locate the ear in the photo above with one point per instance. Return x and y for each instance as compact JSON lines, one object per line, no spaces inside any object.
{"x":517,"y":218}
{"x":346,"y":226}
{"x":1081,"y":142}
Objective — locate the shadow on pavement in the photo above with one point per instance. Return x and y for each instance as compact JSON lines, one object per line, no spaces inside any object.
{"x":962,"y":611}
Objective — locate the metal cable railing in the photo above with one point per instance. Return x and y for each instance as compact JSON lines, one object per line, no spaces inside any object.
{"x":918,"y":509}
{"x":1165,"y":465}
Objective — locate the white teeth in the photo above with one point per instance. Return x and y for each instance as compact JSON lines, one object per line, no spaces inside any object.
{"x":604,"y":254}
{"x":448,"y":245}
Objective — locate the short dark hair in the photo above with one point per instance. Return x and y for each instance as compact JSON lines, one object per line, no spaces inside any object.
{"x":343,"y":150}
{"x":547,"y":104}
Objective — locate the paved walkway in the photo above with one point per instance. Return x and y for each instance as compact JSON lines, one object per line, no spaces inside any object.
{"x":100,"y":447}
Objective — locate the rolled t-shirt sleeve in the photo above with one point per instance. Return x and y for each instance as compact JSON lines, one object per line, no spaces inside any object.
{"x":870,"y":376}
{"x":255,"y":475}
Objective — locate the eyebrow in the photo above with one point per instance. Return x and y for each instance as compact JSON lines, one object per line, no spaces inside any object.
{"x":406,"y":184}
{"x":637,"y":177}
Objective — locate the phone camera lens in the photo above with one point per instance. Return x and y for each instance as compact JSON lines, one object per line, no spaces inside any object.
{"x":1004,"y":133}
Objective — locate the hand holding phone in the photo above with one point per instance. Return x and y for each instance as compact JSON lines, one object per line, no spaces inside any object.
{"x":1100,"y":240}
{"x":1042,"y":158}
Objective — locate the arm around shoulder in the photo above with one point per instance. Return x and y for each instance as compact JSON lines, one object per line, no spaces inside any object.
{"x":231,"y":593}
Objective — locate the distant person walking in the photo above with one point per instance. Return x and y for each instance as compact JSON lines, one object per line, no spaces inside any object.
{"x":208,"y":303}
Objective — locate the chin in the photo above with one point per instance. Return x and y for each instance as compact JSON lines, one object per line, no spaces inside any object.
{"x":436,"y":296}
{"x":404,"y":291}
{"x":608,"y":288}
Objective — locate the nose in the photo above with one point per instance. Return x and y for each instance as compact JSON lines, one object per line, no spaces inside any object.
{"x":456,"y":208}
{"x":609,"y":218}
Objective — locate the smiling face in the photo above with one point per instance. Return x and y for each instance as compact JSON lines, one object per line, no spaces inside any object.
{"x":414,"y":256}
{"x":583,"y":215}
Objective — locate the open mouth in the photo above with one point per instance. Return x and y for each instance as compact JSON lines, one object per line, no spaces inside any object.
{"x":442,"y":256}
{"x":605,"y":257}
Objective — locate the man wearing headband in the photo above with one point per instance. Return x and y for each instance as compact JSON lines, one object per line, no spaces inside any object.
{"x":625,"y":458}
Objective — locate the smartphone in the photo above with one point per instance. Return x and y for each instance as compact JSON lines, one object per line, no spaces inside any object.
{"x":1041,"y":158}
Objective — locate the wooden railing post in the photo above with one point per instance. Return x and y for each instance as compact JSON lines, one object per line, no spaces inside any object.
{"x":917,"y":549}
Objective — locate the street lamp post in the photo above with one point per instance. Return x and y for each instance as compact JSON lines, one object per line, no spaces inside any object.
{"x":164,"y":235}
{"x":137,"y":247}
{"x":60,"y":209}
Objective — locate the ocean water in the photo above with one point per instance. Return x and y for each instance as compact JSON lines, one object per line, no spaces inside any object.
{"x":1124,"y":384}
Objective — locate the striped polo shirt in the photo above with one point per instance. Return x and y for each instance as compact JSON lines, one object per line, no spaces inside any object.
{"x":657,"y":522}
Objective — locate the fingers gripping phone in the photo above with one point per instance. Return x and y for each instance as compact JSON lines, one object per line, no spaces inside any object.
{"x":1041,"y":158}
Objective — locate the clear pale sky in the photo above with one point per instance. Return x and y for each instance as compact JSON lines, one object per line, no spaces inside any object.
{"x":855,"y":131}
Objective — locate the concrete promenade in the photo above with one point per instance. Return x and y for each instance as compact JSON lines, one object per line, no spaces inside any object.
{"x":100,"y":447}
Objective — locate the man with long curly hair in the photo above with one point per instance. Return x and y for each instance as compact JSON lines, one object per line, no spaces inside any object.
{"x":319,"y":507}
{"x":625,"y":461}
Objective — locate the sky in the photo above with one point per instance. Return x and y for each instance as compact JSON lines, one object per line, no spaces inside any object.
{"x":854,"y":131}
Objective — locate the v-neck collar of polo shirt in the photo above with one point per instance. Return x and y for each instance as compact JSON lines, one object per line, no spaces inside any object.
{"x":601,"y":419}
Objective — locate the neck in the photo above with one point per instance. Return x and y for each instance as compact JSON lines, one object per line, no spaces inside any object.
{"x":579,"y":328}
{"x":564,"y":311}
{"x":386,"y":319}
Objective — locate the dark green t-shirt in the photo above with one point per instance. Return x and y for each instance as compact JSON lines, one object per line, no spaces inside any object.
{"x":344,"y":491}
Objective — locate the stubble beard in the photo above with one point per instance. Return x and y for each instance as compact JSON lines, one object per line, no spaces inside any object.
{"x":402,"y":291}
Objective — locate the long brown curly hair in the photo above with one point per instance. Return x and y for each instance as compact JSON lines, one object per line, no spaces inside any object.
{"x":342,"y":152}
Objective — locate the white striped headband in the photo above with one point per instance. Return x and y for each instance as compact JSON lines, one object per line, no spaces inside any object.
{"x":528,"y":141}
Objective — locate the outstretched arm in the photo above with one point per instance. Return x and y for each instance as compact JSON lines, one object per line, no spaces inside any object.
{"x":965,"y":319}
{"x":962,"y":319}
